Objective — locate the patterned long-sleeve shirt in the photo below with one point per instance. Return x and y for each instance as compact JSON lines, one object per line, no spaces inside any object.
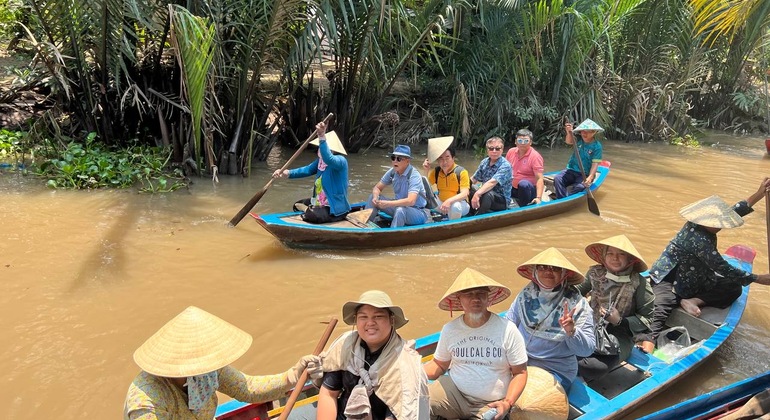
{"x":695,"y":260}
{"x":152,"y":397}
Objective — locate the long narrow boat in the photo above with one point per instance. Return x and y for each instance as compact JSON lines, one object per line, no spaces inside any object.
{"x":295,"y":233}
{"x":623,"y":389}
{"x":717,"y":403}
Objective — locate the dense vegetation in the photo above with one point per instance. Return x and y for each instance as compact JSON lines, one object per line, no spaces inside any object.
{"x":217,"y":83}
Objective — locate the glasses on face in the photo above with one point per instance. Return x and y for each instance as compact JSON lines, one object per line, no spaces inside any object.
{"x":549,"y":268}
{"x":522,"y":140}
{"x":494,"y":149}
{"x":397,"y":158}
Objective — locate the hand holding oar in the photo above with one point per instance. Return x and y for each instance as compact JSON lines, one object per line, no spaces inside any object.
{"x":592,"y":206}
{"x":303,"y":377}
{"x":258,"y":196}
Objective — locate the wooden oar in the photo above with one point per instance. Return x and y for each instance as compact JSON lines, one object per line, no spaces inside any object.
{"x":303,"y":377}
{"x":258,"y":196}
{"x":592,"y":206}
{"x":767,"y":218}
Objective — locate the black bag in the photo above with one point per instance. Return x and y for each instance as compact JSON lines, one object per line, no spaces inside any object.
{"x":606,"y":343}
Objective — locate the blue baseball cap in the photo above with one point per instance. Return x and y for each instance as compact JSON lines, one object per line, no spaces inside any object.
{"x":402,"y":150}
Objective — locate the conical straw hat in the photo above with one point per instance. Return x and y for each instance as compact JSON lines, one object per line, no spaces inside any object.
{"x":711,"y":212}
{"x":193,"y":343}
{"x":437,"y":146}
{"x":551,"y":256}
{"x":334,"y":142}
{"x":471,"y":279}
{"x":588,"y":124}
{"x":542,"y":399}
{"x":378,"y":299}
{"x":621,"y":242}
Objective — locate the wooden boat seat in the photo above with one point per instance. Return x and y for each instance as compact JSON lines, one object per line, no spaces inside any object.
{"x":698,"y":328}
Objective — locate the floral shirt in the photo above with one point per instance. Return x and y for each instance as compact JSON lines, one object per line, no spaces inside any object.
{"x":152,"y":397}
{"x":501,"y":171}
{"x":693,"y":257}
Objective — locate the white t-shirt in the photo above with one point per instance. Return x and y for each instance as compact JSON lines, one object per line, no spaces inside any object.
{"x":481,"y":358}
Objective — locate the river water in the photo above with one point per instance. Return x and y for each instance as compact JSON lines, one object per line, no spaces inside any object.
{"x":87,"y":276}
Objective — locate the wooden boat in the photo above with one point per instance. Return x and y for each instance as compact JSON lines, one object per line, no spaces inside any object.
{"x":295,"y":233}
{"x":717,"y":403}
{"x":624,"y":388}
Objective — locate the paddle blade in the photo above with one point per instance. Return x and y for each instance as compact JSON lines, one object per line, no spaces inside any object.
{"x":592,"y":206}
{"x":247,"y":208}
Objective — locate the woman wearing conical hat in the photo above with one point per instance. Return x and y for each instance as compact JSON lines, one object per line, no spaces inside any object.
{"x":621,"y":300}
{"x":187,"y":361}
{"x":552,"y":316}
{"x":329,"y":200}
{"x":691,"y":272}
{"x":590,"y":151}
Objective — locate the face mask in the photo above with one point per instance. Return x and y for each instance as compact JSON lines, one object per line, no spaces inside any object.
{"x":200,"y":388}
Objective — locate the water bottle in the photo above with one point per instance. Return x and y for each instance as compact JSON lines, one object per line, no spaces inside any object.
{"x":489,"y":415}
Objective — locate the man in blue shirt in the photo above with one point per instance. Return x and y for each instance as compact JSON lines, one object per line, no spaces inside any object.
{"x":496,"y":176}
{"x":408,"y":206}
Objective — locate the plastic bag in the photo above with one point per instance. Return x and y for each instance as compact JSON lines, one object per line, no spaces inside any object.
{"x":673,"y":342}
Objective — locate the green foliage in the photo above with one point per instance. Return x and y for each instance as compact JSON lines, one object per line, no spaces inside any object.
{"x":687,"y":141}
{"x":10,"y":13}
{"x":10,"y":144}
{"x":90,"y":165}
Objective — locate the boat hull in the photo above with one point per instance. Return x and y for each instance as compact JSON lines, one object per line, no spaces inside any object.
{"x":295,"y":234}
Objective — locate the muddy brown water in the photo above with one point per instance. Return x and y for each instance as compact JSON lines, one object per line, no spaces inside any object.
{"x":89,"y":275}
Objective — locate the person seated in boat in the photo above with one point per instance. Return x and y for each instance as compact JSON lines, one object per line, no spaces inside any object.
{"x":329,"y":200}
{"x":621,"y":301}
{"x":372,"y":371}
{"x":527,"y":163}
{"x":451,"y":180}
{"x":590,"y":151}
{"x":495,"y":174}
{"x":483,"y":353}
{"x":553,"y":317}
{"x":691,"y":272}
{"x":408,"y":206}
{"x":187,"y":361}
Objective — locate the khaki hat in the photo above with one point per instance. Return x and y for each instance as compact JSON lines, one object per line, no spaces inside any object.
{"x":551,"y":256}
{"x":193,"y":343}
{"x":334,"y":142}
{"x":621,"y":242}
{"x":471,"y":279}
{"x":437,"y":146}
{"x":711,"y":212}
{"x":378,"y":299}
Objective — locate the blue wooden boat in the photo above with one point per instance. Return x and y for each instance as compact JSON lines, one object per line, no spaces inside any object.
{"x":623,"y":389}
{"x":716,"y":403}
{"x":291,"y":230}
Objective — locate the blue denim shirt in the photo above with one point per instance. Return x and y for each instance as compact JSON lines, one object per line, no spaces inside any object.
{"x":693,"y":253}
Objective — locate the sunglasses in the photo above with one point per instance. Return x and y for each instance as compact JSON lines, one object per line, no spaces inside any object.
{"x":522,"y":140}
{"x":398,"y":158}
{"x":494,"y":149}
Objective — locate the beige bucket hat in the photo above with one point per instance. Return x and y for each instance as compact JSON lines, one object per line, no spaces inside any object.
{"x":596,"y":251}
{"x":334,"y":142}
{"x":437,"y":146}
{"x":378,"y":299}
{"x":712,"y":212}
{"x":551,"y":256}
{"x":471,"y":279}
{"x":192,"y":343}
